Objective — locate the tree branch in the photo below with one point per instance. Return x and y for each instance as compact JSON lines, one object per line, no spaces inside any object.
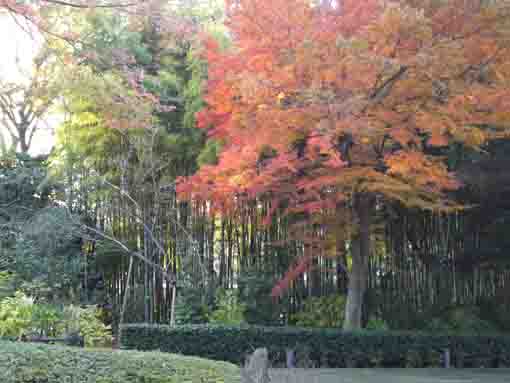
{"x":90,"y":5}
{"x":169,"y":277}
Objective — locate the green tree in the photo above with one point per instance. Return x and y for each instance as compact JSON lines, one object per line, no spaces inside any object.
{"x":40,"y":244}
{"x":130,"y":99}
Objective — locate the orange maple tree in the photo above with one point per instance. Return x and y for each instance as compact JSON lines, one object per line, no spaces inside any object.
{"x":353,"y":100}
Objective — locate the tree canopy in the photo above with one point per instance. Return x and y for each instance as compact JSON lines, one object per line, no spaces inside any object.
{"x":326,"y":104}
{"x":317,"y":102}
{"x":263,"y":161}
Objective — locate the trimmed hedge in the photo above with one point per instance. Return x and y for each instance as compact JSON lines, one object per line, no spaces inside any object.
{"x":29,"y":363}
{"x":321,"y":347}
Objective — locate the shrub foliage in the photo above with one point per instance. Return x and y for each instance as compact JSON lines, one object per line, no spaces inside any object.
{"x":54,"y":364}
{"x":323,"y":347}
{"x":20,"y":315}
{"x":325,"y":311}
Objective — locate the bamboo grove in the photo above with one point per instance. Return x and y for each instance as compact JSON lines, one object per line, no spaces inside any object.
{"x":411,"y":275}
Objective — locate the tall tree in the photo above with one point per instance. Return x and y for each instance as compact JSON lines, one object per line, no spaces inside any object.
{"x":39,"y":245}
{"x":345,"y":105}
{"x":130,"y":91}
{"x":25,"y":103}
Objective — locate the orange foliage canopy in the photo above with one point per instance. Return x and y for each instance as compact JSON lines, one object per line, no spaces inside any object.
{"x":315,"y":102}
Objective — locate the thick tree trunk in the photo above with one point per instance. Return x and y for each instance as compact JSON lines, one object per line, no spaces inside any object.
{"x":22,"y":140}
{"x":360,"y":253}
{"x":23,"y":145}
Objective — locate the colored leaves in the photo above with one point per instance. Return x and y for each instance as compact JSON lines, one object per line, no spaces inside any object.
{"x":360,"y":96}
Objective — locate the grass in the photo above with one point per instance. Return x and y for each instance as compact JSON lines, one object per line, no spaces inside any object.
{"x":31,"y":363}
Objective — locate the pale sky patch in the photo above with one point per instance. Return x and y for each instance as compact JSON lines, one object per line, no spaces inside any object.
{"x":18,"y":47}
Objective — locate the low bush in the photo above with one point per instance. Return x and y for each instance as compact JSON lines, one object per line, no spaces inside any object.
{"x":322,"y":347}
{"x":16,"y":315}
{"x":458,"y":319}
{"x":20,"y":315}
{"x":497,"y":309}
{"x":327,"y":311}
{"x":229,"y":311}
{"x":26,"y":363}
{"x":86,"y":322}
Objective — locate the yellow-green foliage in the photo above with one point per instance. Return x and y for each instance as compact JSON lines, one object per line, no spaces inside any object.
{"x":23,"y":363}
{"x":325,"y":311}
{"x":229,"y":310}
{"x":20,"y":315}
{"x":6,"y":284}
{"x":86,"y":321}
{"x":15,"y":315}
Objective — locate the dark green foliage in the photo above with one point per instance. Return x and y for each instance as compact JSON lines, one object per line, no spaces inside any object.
{"x":48,"y":256}
{"x":255,"y":294}
{"x":20,"y":198}
{"x":39,"y":248}
{"x":54,"y":364}
{"x":323,"y":348}
{"x":459,"y":319}
{"x":497,"y":310}
{"x":190,"y":307}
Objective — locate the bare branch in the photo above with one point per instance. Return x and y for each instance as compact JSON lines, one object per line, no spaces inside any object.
{"x":125,"y":194}
{"x":90,"y":4}
{"x":169,"y":277}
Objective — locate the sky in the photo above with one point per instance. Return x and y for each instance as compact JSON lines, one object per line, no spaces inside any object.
{"x":18,"y":48}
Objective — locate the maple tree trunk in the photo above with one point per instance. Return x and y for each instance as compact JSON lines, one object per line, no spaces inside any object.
{"x":22,"y":140}
{"x":358,"y":276}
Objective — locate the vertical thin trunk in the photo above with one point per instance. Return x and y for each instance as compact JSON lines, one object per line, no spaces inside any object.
{"x":211,"y":243}
{"x":124,"y":303}
{"x":172,"y":307}
{"x":147,"y":291}
{"x":222,"y":254}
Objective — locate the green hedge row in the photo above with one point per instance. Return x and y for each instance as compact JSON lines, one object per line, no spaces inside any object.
{"x":36,"y":363}
{"x":321,"y":348}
